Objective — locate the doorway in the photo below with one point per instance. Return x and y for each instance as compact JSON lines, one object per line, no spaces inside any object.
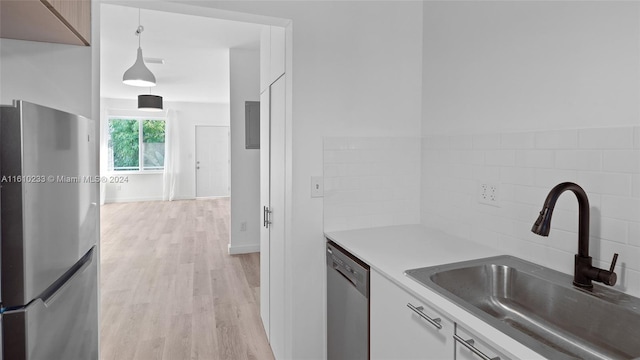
{"x":212,"y":161}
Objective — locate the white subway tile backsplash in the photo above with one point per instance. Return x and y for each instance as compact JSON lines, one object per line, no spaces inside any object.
{"x":628,"y":281}
{"x":605,"y":182}
{"x":519,"y":175}
{"x":548,"y":178}
{"x":612,"y":229}
{"x":486,"y":141}
{"x":436,"y":142}
{"x":461,"y":142}
{"x":619,"y":207}
{"x":500,"y":158}
{"x":564,"y":220}
{"x":434,"y":180}
{"x":518,"y":211}
{"x":334,"y":143}
{"x":517,"y":141}
{"x":579,"y":159}
{"x":521,"y":248}
{"x":535,"y":158}
{"x":627,"y":255}
{"x":462,"y":157}
{"x":459,"y":171}
{"x":557,"y":139}
{"x":605,"y":162}
{"x":507,"y":192}
{"x":566,"y":241}
{"x":485,"y":173}
{"x":334,"y":170}
{"x":477,"y":157}
{"x":607,"y":138}
{"x":490,"y":237}
{"x":530,"y":195}
{"x":369,"y":181}
{"x":635,"y":185}
{"x":634,"y":234}
{"x":627,"y":161}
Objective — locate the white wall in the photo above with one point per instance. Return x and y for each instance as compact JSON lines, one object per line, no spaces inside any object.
{"x":530,"y":65}
{"x":149,"y":186}
{"x":244,"y":68}
{"x":53,"y":75}
{"x":527,"y":95}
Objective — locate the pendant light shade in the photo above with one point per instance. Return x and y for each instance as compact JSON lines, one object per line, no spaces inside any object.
{"x":139,"y":74}
{"x":150,"y":102}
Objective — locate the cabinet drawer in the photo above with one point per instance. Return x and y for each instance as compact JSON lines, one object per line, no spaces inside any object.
{"x":470,"y":346}
{"x":405,"y":327}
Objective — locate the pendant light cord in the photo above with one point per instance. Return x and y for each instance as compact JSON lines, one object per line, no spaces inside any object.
{"x":140,"y":29}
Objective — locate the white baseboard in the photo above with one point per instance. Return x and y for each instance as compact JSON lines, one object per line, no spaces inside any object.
{"x":124,"y":200}
{"x":154,"y":198}
{"x":243,"y":249}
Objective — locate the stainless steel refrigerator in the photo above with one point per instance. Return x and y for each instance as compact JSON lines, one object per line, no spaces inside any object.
{"x":48,"y":260}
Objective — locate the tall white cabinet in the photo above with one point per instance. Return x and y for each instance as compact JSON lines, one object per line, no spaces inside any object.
{"x":272,"y":186}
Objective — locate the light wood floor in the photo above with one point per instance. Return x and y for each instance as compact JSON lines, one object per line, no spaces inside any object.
{"x":169,"y":289}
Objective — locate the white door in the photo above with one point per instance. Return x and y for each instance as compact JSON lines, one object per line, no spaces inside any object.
{"x":276,"y":228}
{"x":272,"y":197}
{"x":265,"y":136}
{"x":212,"y":161}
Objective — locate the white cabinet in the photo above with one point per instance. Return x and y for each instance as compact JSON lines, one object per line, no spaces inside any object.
{"x":470,"y":346}
{"x":273,"y":247}
{"x":272,"y":57}
{"x":277,"y":53}
{"x":265,"y":179}
{"x":272,"y":196}
{"x":404,"y":327}
{"x":265,"y":57}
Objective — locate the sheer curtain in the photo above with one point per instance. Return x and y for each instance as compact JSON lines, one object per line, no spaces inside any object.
{"x":171,"y":158}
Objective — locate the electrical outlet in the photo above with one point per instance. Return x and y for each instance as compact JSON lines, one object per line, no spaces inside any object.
{"x":488,"y":194}
{"x":243,"y":226}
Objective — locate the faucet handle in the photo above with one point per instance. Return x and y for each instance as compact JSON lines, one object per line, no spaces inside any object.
{"x":613,"y":262}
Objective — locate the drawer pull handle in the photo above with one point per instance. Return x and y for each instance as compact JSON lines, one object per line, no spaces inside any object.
{"x":418,"y":310}
{"x":469,"y":345}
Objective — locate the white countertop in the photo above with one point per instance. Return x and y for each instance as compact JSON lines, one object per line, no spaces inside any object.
{"x":392,"y":250}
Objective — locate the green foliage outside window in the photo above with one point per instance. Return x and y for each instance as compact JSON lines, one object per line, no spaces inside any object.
{"x":125,"y":144}
{"x":153,"y":144}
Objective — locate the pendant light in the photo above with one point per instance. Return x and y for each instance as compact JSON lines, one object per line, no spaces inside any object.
{"x":149,"y":102}
{"x":139,"y":74}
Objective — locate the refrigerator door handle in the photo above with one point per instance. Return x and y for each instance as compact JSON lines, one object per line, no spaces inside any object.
{"x":54,"y":291}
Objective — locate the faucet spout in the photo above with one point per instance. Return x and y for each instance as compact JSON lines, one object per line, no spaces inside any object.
{"x":542,"y":226}
{"x":584,"y":272}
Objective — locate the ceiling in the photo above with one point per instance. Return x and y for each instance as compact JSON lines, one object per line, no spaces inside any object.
{"x":195,"y":50}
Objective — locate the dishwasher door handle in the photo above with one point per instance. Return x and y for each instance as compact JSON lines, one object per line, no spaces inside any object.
{"x":338,"y":268}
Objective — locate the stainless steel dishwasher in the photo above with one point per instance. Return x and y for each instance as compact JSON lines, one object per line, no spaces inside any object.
{"x":347,"y":305}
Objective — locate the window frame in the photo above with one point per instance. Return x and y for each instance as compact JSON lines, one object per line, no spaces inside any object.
{"x":140,"y":119}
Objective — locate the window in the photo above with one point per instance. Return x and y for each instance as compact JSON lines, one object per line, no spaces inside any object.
{"x":136,"y":144}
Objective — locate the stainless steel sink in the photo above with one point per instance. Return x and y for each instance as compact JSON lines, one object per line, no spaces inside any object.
{"x":540,"y":307}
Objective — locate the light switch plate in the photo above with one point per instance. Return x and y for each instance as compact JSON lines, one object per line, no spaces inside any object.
{"x":317,"y":186}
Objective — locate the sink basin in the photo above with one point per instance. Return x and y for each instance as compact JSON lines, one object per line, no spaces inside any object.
{"x":540,"y":308}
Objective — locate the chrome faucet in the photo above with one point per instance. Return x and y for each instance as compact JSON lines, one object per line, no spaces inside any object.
{"x":584,"y":272}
